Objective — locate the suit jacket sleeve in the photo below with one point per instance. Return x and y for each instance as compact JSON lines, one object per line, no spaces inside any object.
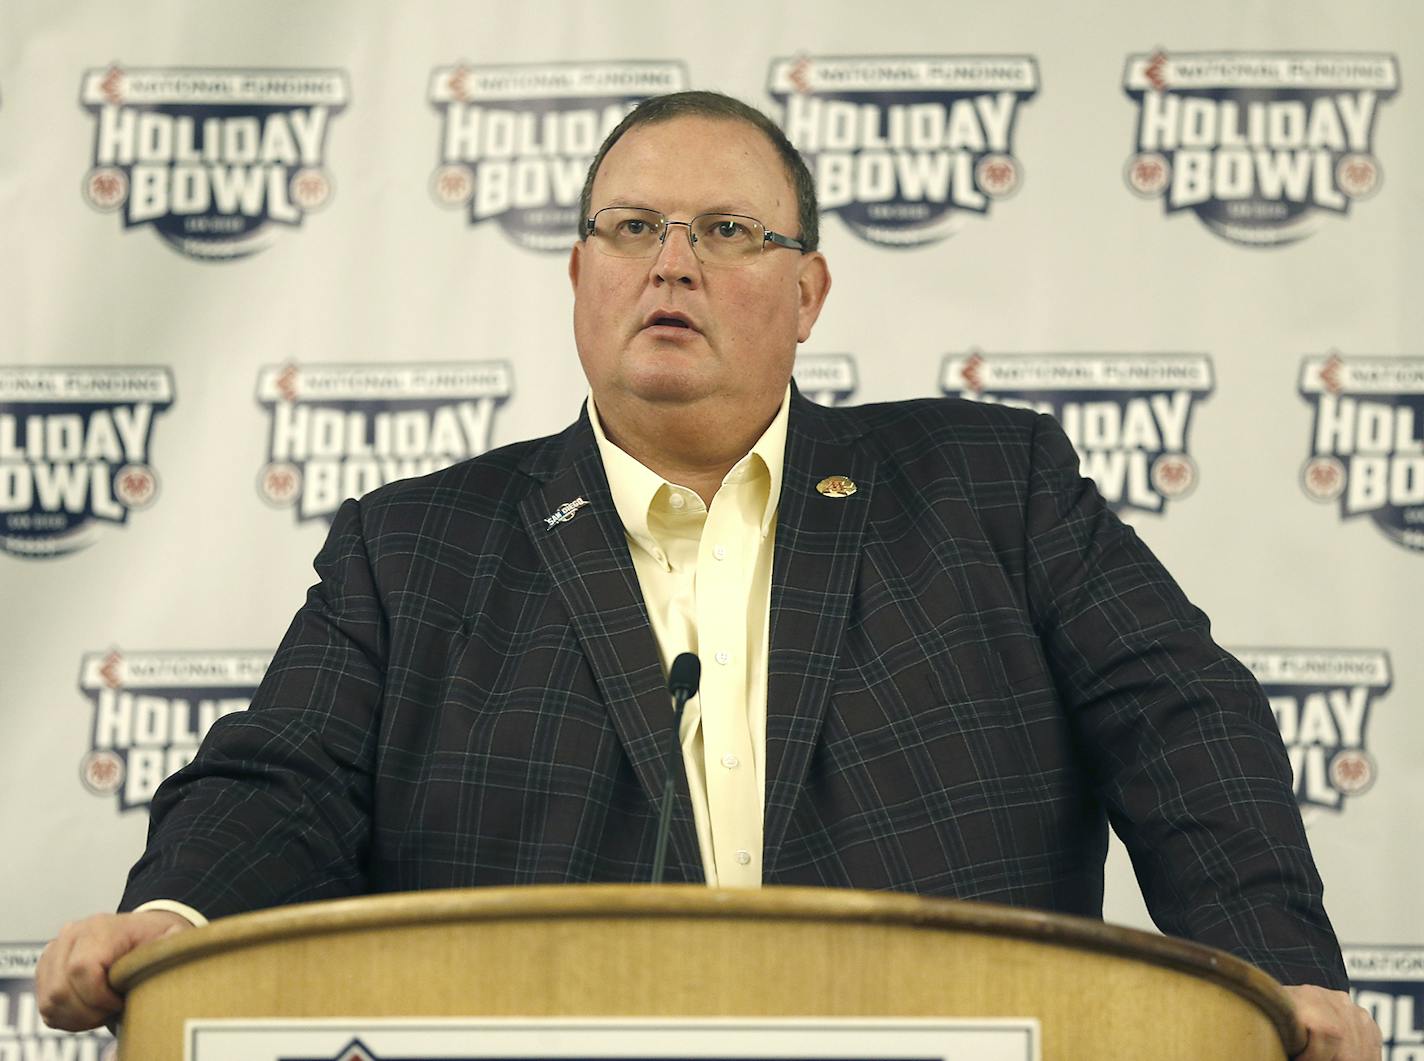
{"x":275,"y":807}
{"x":1187,"y":756}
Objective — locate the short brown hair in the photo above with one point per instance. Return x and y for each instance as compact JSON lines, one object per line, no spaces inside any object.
{"x":701,"y":104}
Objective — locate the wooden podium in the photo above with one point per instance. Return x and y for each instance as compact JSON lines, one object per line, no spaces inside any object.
{"x":1100,"y":992}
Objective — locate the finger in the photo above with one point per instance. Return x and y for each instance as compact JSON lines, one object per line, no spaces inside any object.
{"x":86,"y":973}
{"x":59,"y":1004}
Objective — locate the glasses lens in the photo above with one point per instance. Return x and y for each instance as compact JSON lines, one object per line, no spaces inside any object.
{"x":727,"y":237}
{"x":626,"y":232}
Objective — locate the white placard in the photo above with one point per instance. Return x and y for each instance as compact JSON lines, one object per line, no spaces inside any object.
{"x":358,"y":1039}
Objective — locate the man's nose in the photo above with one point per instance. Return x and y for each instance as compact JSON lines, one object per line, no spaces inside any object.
{"x":675,"y":262}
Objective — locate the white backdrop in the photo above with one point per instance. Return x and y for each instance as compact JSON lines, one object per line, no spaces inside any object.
{"x":1190,"y":230}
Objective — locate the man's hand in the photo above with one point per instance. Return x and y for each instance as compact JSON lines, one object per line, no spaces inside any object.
{"x":72,"y":980}
{"x":1338,"y":1029}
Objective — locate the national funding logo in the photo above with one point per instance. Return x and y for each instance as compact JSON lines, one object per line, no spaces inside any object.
{"x":75,"y":446}
{"x":1261,"y":146}
{"x":1128,"y":415}
{"x":153,"y":709}
{"x":1367,"y":440}
{"x":516,"y":141}
{"x":216,"y":160}
{"x":905,"y":148}
{"x":1322,"y":700}
{"x":342,"y":430}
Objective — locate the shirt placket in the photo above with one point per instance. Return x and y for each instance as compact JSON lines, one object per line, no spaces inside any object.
{"x":724,"y":570}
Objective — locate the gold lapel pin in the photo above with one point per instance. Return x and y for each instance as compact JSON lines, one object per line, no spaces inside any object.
{"x":836,"y":486}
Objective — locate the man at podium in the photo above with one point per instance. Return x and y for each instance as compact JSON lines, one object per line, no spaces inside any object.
{"x":933,"y":660}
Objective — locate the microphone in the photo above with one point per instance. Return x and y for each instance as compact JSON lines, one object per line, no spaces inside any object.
{"x":683,"y":676}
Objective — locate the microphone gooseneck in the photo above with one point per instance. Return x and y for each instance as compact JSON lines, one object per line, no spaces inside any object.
{"x":683,"y":677}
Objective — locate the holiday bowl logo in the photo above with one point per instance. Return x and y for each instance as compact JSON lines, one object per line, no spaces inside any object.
{"x":214,"y":159}
{"x":1388,"y":982}
{"x":23,"y":1035}
{"x":1259,"y":145}
{"x":904,"y":148}
{"x":517,"y":141}
{"x":341,"y":430}
{"x":1367,"y":442}
{"x":152,"y":710}
{"x":1127,"y":415}
{"x":74,"y":452}
{"x":1322,"y":700}
{"x":828,"y":379}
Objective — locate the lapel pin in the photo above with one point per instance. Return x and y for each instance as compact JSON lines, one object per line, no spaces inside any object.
{"x":565,"y":512}
{"x":836,"y":486}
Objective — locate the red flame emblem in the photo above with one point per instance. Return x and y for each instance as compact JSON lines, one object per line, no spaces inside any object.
{"x":971,"y":373}
{"x":287,"y":382}
{"x":459,"y":83}
{"x":1330,"y":374}
{"x":111,"y":670}
{"x":112,"y":85}
{"x":800,"y":76}
{"x":1156,"y":72}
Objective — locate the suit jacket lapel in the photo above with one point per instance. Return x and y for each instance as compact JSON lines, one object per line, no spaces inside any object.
{"x":589,"y":564}
{"x":818,"y":545}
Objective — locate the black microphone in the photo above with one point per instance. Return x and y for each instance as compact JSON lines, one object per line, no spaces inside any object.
{"x":683,"y":676}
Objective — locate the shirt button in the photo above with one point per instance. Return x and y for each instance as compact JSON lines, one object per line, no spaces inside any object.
{"x":724,"y":658}
{"x":743,"y":858}
{"x":730,"y":761}
{"x":719,"y":551}
{"x":677,"y":500}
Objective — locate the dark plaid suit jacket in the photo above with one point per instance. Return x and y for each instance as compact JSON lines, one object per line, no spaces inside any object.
{"x":974,"y":665}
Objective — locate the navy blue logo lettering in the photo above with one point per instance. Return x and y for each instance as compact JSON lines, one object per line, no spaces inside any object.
{"x":342,"y":430}
{"x":75,"y":452}
{"x":1367,"y":441}
{"x":1259,"y":145}
{"x":153,"y":709}
{"x":216,"y":160}
{"x":905,"y":148}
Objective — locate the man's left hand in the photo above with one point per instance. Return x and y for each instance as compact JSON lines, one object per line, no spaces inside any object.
{"x":1337,"y":1029}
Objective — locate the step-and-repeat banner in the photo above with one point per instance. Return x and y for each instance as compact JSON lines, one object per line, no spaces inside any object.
{"x":261,"y":257}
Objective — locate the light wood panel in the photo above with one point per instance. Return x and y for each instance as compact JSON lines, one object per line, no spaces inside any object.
{"x":1101,"y":992}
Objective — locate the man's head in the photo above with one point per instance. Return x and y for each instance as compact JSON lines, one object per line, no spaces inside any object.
{"x":670,"y":330}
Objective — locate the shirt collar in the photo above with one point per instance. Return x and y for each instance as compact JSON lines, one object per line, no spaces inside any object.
{"x":634,"y":486}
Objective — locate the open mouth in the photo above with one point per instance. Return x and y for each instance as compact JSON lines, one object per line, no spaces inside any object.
{"x":669,"y":318}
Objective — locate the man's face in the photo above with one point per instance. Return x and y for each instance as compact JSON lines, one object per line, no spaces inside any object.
{"x":744,"y":321}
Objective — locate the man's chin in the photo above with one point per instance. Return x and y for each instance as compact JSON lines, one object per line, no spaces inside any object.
{"x":669,"y":388}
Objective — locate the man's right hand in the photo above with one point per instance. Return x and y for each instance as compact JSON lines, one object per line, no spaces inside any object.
{"x":72,"y":980}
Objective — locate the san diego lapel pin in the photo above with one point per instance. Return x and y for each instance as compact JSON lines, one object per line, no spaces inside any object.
{"x":564,"y":512}
{"x":836,"y":486}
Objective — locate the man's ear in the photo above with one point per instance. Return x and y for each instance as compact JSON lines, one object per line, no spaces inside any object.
{"x":813,"y":283}
{"x":574,"y":264}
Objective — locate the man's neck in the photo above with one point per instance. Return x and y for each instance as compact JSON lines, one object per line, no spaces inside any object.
{"x":692,"y":445}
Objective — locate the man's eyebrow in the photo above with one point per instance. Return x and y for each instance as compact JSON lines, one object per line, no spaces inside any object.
{"x":725,"y":207}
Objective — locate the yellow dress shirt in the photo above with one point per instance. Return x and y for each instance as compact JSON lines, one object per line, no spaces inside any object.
{"x":724,"y":616}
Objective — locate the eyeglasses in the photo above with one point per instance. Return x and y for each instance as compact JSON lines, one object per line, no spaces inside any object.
{"x":721,"y":239}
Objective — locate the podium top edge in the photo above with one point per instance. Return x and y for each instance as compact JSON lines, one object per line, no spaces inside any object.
{"x":633,"y":901}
